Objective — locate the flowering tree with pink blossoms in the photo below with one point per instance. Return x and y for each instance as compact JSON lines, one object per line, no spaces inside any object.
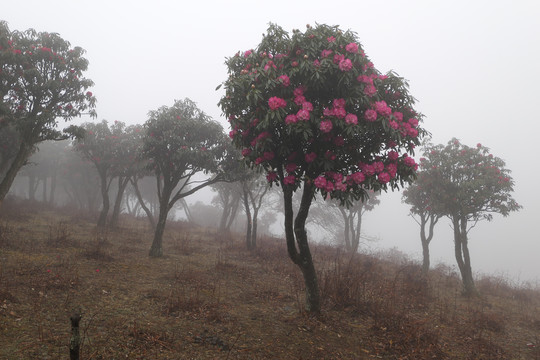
{"x":41,"y":80}
{"x":312,"y":110}
{"x":466,"y":184}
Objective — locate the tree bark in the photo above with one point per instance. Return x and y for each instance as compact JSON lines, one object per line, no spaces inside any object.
{"x":301,"y":256}
{"x":143,"y":205}
{"x":245,"y":197}
{"x":122,"y":183}
{"x":20,"y":159}
{"x":102,"y":220}
{"x":463,"y":258}
{"x":157,"y":244}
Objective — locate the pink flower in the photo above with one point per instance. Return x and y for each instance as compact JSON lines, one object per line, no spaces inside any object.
{"x":290,"y":167}
{"x":340,"y":112}
{"x":328,"y":112}
{"x":393,"y":155}
{"x":247,"y":53}
{"x":414,"y":123}
{"x":289,"y":180}
{"x":338,"y":103}
{"x":330,"y":155}
{"x":268,"y":155}
{"x":478,"y":145}
{"x":275,"y":103}
{"x":345,"y":65}
{"x":365,"y":79}
{"x":412,"y":132}
{"x":285,"y":81}
{"x":338,"y":58}
{"x":352,"y":48}
{"x":351,"y":119}
{"x":394,"y":125}
{"x":358,"y":177}
{"x":326,"y":53}
{"x":299,"y":100}
{"x":302,"y":115}
{"x":378,"y":167}
{"x":370,"y":90}
{"x":326,"y":126}
{"x":320,"y":182}
{"x":331,"y":39}
{"x":272,"y":176}
{"x":306,"y":105}
{"x":329,"y":186}
{"x":409,"y":161}
{"x":310,"y":157}
{"x":392,"y":169}
{"x":246,"y":152}
{"x":299,"y":91}
{"x":339,"y":141}
{"x":341,"y":186}
{"x":370,"y":115}
{"x":383,"y":177}
{"x":368,"y":170}
{"x":382,"y":108}
{"x":316,"y":63}
{"x":89,"y":93}
{"x":398,"y":115}
{"x":291,"y":119}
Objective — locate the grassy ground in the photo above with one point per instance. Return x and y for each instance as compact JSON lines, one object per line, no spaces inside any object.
{"x":210,"y":298}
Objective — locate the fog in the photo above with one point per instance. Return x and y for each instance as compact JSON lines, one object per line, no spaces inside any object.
{"x":472,"y":66}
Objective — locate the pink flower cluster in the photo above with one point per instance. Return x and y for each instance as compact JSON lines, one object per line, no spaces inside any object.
{"x":326,"y":126}
{"x":352,"y":48}
{"x":345,"y":65}
{"x":285,"y":81}
{"x":275,"y":103}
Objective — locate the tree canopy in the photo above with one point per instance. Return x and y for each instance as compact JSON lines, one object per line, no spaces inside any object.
{"x":313,"y":111}
{"x":41,"y":80}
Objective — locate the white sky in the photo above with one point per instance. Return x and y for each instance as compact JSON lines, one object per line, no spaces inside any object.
{"x":474,"y":67}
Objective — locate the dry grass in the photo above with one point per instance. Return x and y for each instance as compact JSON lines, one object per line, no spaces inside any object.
{"x":210,"y":298}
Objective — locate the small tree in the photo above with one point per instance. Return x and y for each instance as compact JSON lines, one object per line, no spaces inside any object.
{"x":422,"y":197}
{"x":467,"y":185}
{"x":181,"y":141}
{"x":41,"y":79}
{"x":313,"y":112}
{"x":100,"y":145}
{"x":254,"y":190}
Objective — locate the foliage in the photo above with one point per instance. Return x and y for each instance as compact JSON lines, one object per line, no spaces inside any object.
{"x":462,"y":181}
{"x":41,"y":80}
{"x":313,"y":107}
{"x":313,"y":111}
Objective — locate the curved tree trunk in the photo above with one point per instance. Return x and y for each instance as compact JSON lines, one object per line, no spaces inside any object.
{"x":425,"y":245}
{"x":102,"y":220}
{"x":346,"y":230}
{"x":122,"y":183}
{"x":462,"y":255}
{"x":301,"y":256}
{"x":356,"y":231}
{"x":157,"y":244}
{"x":20,"y":159}
{"x":245,"y":198}
{"x":143,"y":205}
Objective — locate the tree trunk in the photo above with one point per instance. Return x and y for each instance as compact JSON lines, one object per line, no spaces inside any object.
{"x":143,"y":205}
{"x":234,"y":211}
{"x":346,"y":230}
{"x":356,"y":232}
{"x":462,"y":255}
{"x":254,"y":229}
{"x":157,"y":244}
{"x":44,"y":179}
{"x":245,"y":197}
{"x":54,"y":177}
{"x":425,"y":245}
{"x":16,"y":165}
{"x":302,"y":255}
{"x":32,"y":187}
{"x":122,"y":183}
{"x":102,"y":221}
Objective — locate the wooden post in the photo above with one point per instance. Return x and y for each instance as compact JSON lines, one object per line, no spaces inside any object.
{"x":75,"y":341}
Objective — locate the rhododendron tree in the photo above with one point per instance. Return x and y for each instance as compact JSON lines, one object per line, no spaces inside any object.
{"x":466,"y":184}
{"x":181,"y":141}
{"x":323,"y":127}
{"x":41,"y":80}
{"x":101,"y":145}
{"x":422,"y":197}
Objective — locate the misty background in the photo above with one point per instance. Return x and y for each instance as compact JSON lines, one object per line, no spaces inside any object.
{"x":472,"y":66}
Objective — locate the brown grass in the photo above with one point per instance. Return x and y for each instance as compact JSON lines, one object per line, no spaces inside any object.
{"x":210,"y":298}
